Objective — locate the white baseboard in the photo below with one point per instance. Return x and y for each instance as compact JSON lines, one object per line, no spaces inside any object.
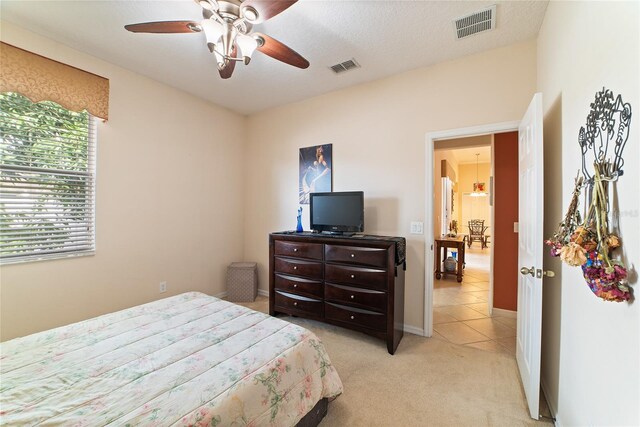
{"x":413,"y":330}
{"x":221,"y":295}
{"x":263,"y":292}
{"x":504,"y":313}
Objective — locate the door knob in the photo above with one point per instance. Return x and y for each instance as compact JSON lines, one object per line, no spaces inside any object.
{"x":549,"y":273}
{"x":531,"y":271}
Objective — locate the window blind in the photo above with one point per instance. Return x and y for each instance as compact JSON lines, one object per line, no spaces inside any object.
{"x":47,"y":180}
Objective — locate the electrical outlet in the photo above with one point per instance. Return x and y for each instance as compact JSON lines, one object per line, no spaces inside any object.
{"x":416,"y":227}
{"x":163,"y":287}
{"x":515,"y":227}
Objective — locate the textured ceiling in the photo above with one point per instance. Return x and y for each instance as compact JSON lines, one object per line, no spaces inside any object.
{"x":385,"y":37}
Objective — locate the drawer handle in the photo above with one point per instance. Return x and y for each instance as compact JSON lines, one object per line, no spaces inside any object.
{"x":353,"y":255}
{"x":295,"y":285}
{"x":295,"y":249}
{"x":353,"y":276}
{"x":353,"y":317}
{"x":353,"y":296}
{"x":295,"y":304}
{"x":295,"y":267}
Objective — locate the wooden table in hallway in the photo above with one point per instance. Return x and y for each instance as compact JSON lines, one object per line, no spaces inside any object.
{"x":444,"y":242}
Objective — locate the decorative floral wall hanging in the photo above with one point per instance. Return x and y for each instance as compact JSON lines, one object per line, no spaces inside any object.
{"x":589,"y":243}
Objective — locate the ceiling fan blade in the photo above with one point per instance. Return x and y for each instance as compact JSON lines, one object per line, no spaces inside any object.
{"x":227,"y":71}
{"x":280,"y":51}
{"x":264,"y":9}
{"x":164,"y":27}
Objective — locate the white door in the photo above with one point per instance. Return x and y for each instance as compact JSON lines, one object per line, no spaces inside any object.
{"x":530,"y":249}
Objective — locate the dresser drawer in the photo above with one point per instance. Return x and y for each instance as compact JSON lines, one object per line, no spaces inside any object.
{"x":299,"y":303}
{"x":364,"y":298}
{"x":360,"y":276}
{"x":298,"y":249}
{"x":375,"y":257}
{"x":355,"y":316}
{"x":299,"y":285}
{"x":299,"y":267}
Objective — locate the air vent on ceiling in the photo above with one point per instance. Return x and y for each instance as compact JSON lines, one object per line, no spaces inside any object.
{"x":345,"y":66}
{"x":483,"y":20}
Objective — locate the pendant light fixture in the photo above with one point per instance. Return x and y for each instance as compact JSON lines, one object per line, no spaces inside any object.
{"x":478,"y":187}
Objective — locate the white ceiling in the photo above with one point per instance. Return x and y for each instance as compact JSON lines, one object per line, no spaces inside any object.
{"x":385,"y":37}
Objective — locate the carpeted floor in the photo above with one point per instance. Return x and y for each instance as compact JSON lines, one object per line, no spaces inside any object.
{"x":427,"y":382}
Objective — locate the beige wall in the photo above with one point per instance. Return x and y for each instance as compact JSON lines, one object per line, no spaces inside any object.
{"x":378,"y":133}
{"x":591,"y":348}
{"x":169,"y":204}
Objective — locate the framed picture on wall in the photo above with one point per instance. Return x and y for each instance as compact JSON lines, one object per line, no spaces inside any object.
{"x":315,"y":171}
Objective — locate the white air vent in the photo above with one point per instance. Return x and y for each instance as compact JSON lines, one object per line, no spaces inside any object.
{"x":483,"y":20}
{"x":345,"y":66}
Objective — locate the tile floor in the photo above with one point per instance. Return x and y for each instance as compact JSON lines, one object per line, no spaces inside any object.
{"x":461,"y":313}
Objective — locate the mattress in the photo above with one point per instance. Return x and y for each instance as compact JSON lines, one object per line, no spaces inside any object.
{"x":190,"y":359}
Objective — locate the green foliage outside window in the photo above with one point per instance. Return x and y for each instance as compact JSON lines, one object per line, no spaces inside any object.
{"x":46,"y":179}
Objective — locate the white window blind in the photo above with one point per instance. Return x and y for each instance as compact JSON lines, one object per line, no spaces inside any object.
{"x":47,"y":180}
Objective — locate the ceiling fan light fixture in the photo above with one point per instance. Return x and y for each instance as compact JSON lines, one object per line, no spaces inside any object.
{"x":229,"y":33}
{"x":205,"y":4}
{"x":249,"y":13}
{"x":247,"y":45}
{"x":220,"y":60}
{"x":212,"y":30}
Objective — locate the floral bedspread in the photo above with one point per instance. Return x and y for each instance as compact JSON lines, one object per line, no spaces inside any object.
{"x":190,"y":359}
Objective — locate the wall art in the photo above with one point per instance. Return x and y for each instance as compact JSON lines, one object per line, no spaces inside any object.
{"x":315,"y":171}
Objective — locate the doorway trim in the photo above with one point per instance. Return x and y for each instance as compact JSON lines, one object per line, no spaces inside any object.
{"x":429,"y":201}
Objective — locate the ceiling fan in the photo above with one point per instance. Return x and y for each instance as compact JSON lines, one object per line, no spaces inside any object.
{"x":227,"y":26}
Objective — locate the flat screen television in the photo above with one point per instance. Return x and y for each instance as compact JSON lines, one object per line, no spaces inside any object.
{"x":337,"y":212}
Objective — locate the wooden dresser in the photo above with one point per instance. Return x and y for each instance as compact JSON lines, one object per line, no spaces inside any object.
{"x":353,"y":282}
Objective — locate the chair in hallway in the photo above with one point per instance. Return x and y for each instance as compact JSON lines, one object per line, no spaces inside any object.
{"x":476,"y":232}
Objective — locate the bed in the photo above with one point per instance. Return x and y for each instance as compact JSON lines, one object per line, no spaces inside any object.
{"x":191,"y":359}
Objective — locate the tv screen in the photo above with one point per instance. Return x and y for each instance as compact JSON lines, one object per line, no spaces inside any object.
{"x":337,"y":212}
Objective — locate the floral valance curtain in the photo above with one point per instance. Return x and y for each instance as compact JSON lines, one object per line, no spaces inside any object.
{"x":43,"y":79}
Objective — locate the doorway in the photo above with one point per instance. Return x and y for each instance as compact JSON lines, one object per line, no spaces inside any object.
{"x":486,"y":329}
{"x":463,"y":212}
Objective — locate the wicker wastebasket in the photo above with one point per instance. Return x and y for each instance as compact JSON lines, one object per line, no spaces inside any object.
{"x":242,"y":281}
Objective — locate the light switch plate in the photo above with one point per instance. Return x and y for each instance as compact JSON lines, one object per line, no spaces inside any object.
{"x":417,"y":227}
{"x":515,"y":227}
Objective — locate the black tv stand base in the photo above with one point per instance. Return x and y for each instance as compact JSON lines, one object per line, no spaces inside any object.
{"x":339,"y":233}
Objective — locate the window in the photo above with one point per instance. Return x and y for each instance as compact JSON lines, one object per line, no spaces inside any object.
{"x":47,"y":180}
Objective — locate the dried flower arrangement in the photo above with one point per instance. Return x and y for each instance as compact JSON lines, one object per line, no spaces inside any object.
{"x":588,"y":243}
